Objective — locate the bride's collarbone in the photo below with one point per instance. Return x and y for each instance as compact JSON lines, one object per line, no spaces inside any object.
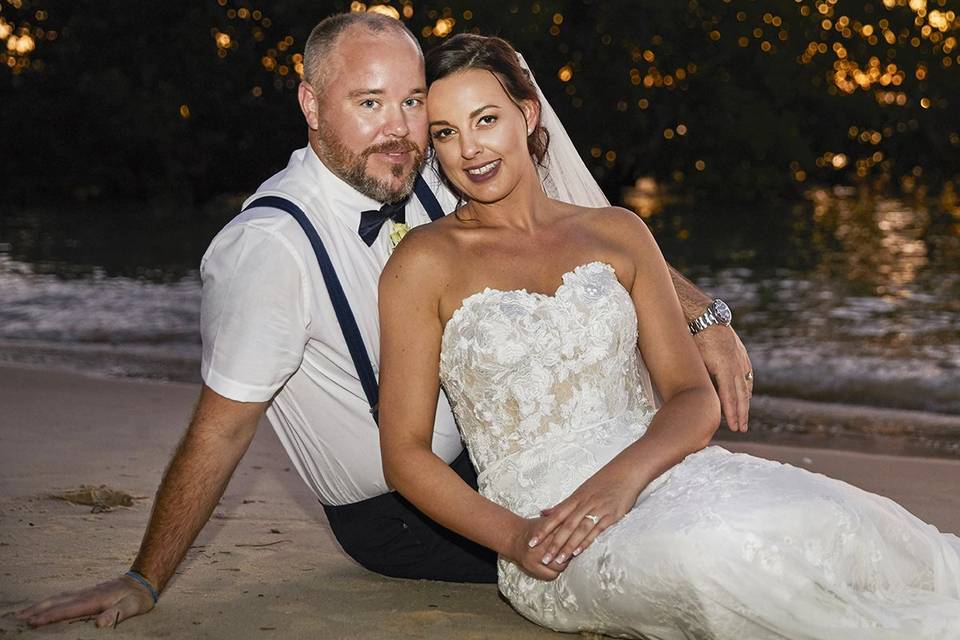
{"x":508,"y":273}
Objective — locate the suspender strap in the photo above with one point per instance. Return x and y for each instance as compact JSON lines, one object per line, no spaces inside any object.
{"x":348,"y":324}
{"x":427,"y":199}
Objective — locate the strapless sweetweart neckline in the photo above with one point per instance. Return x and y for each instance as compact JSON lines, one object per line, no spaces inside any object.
{"x":537,"y":295}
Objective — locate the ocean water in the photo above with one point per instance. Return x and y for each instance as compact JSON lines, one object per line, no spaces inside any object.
{"x":847,"y":301}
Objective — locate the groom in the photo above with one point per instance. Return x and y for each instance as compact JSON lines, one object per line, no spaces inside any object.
{"x":278,"y":339}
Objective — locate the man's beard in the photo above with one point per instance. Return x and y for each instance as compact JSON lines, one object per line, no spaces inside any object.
{"x":352,"y":168}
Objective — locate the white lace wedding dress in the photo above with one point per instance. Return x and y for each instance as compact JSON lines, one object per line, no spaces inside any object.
{"x":547,"y":389}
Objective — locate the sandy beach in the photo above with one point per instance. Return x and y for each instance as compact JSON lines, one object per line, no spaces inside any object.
{"x":266,"y":565}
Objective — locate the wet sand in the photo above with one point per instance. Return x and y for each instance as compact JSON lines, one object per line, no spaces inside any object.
{"x":266,"y":565}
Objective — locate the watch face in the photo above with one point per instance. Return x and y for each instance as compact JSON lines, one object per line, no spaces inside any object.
{"x":722,"y":311}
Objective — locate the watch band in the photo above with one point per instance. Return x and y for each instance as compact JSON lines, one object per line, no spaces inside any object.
{"x":706,"y":319}
{"x":709,"y":317}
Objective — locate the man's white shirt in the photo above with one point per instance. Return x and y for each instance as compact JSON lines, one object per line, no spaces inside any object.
{"x":269,"y":329}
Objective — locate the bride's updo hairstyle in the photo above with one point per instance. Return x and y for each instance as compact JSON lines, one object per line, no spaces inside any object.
{"x":470,"y":51}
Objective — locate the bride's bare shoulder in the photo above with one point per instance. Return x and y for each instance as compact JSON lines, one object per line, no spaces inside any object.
{"x":623,"y":236}
{"x":615,"y":224}
{"x":422,"y":258}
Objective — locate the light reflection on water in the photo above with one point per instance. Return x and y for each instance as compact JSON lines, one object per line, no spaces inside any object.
{"x":852,"y":299}
{"x":876,"y":318}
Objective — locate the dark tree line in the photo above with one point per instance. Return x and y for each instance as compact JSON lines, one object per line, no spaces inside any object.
{"x":735,"y":100}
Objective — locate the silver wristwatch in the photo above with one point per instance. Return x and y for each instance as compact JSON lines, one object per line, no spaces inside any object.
{"x":717,"y":313}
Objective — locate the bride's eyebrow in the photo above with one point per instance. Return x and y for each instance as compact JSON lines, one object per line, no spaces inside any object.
{"x":473,"y":114}
{"x":476,"y":112}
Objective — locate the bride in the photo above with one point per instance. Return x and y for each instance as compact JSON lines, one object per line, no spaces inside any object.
{"x":541,"y":320}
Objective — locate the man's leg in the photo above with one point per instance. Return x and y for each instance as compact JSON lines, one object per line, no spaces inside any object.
{"x":388,"y":535}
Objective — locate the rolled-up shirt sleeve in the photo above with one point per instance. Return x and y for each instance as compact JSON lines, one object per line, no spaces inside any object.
{"x":254,"y":312}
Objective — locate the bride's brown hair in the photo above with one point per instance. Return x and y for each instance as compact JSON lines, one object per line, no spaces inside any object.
{"x":469,"y":51}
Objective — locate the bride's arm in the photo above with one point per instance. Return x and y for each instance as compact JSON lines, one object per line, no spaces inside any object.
{"x":691,"y":410}
{"x":722,"y":352}
{"x":409,"y":386}
{"x":684,"y":424}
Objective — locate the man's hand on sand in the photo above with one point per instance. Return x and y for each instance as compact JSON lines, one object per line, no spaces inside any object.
{"x":110,"y":602}
{"x":728,"y":364}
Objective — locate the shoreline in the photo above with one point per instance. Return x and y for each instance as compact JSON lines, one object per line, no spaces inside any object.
{"x":267,"y":562}
{"x":778,"y":420}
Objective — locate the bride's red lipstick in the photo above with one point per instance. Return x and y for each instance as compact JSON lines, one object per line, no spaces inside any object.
{"x":483,"y":177}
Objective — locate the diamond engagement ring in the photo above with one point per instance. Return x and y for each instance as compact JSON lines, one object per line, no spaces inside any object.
{"x":592,"y":518}
{"x":749,"y":376}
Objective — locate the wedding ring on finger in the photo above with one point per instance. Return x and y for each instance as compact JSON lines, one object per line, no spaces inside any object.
{"x":592,"y":518}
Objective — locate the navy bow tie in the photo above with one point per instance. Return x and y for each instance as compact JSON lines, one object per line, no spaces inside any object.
{"x":371,"y":221}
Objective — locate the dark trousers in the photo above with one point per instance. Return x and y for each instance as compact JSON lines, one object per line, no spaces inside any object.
{"x":390,"y":536}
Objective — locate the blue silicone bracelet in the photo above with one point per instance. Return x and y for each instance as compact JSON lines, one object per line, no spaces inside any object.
{"x":146,"y":583}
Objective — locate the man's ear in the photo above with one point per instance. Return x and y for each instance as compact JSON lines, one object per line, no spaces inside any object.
{"x":309,"y":105}
{"x":531,"y":113}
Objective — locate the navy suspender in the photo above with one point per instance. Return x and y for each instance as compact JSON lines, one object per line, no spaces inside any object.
{"x":348,"y":324}
{"x":341,"y":306}
{"x":427,"y":199}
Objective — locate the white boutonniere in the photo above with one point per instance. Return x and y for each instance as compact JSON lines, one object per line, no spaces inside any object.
{"x":397,"y":231}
